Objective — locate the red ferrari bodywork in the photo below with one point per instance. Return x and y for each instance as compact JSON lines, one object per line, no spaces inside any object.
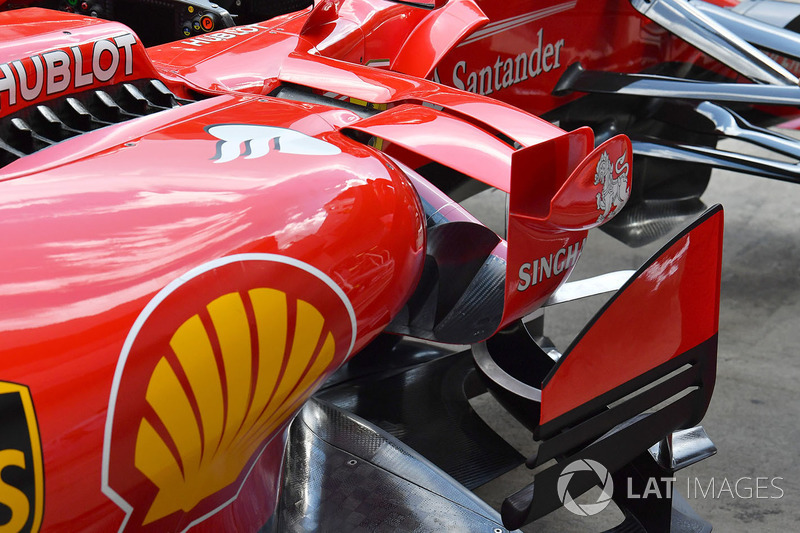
{"x":512,"y":51}
{"x":520,"y":59}
{"x":176,"y":284}
{"x":675,"y":76}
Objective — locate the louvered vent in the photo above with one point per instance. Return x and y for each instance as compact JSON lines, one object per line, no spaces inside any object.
{"x":43,"y":125}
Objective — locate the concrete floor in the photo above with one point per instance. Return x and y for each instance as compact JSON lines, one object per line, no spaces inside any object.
{"x":753,"y":417}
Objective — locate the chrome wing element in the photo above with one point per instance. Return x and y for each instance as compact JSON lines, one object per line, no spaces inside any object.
{"x":760,"y":33}
{"x":707,"y":34}
{"x":575,"y":290}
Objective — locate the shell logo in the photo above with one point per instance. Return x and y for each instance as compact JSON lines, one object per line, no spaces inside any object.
{"x":214,"y":366}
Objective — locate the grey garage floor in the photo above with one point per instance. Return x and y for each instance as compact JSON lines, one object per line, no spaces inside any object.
{"x":753,"y":418}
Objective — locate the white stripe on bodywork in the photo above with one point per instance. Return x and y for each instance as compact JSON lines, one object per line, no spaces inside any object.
{"x":514,"y":22}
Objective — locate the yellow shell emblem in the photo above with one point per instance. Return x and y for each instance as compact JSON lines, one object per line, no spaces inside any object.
{"x":206,"y":382}
{"x":209,"y":453}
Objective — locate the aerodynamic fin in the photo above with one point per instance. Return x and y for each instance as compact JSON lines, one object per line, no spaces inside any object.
{"x":473,"y":282}
{"x":643,"y":369}
{"x":436,"y":34}
{"x":672,"y":305}
{"x":557,"y":194}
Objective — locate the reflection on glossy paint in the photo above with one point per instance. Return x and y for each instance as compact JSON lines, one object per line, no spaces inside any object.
{"x":661,"y":271}
{"x":296,"y":230}
{"x":119,"y":267}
